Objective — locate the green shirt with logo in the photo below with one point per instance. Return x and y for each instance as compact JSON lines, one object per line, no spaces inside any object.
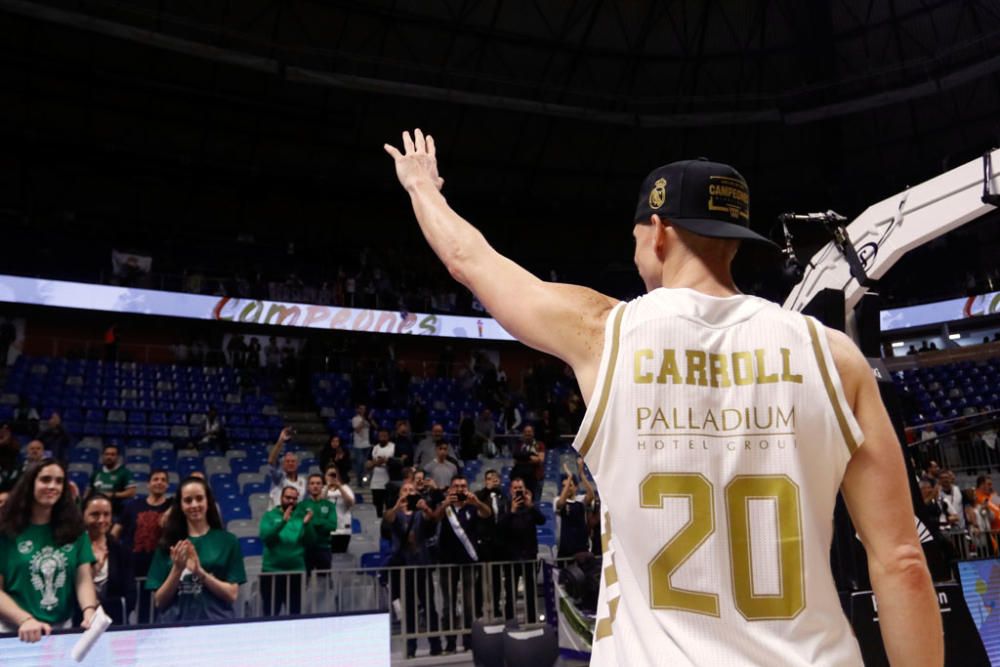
{"x":284,"y":541}
{"x":112,"y":481}
{"x":323,"y":522}
{"x":220,"y":555}
{"x":39,"y":575}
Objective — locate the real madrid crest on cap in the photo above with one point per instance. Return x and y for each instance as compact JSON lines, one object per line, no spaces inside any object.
{"x":705,"y":198}
{"x":658,"y":194}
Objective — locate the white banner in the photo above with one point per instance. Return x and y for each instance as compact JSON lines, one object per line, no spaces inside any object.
{"x":85,"y":296}
{"x":940,"y":312}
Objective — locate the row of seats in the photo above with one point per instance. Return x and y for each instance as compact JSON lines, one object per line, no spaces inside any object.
{"x":949,"y":391}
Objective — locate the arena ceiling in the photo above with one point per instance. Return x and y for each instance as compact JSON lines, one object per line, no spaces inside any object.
{"x":241,"y":111}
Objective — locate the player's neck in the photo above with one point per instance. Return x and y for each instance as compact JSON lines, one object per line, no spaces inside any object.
{"x":687,"y":270}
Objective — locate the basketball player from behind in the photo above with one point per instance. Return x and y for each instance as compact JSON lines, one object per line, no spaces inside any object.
{"x":719,"y":428}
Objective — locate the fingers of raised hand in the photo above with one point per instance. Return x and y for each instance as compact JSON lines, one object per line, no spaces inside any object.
{"x":408,"y":143}
{"x":431,"y":148}
{"x":418,"y":140}
{"x":393,"y":152}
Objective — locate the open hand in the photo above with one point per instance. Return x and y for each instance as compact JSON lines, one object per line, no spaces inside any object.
{"x":307,"y":518}
{"x":418,"y":163}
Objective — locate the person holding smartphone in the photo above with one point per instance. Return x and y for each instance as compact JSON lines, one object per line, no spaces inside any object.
{"x":340,"y":494}
{"x":517,"y":532}
{"x":461,"y":514}
{"x":411,"y":521}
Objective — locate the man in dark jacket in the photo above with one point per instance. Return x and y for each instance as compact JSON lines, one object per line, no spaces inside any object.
{"x":517,"y":532}
{"x":460,"y":515}
{"x":491,"y":544}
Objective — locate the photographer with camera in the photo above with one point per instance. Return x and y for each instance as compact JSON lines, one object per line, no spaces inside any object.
{"x":491,"y":544}
{"x":518,"y":534}
{"x":411,"y":521}
{"x":460,"y":515}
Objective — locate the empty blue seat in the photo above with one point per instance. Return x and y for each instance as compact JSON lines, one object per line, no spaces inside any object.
{"x":251,"y":546}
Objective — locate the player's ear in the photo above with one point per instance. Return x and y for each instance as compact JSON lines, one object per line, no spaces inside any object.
{"x":659,"y":233}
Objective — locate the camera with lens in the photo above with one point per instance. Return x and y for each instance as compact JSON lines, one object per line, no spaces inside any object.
{"x":411,"y":502}
{"x":460,"y":496}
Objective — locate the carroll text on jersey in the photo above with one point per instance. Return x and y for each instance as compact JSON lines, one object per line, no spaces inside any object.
{"x":711,"y":369}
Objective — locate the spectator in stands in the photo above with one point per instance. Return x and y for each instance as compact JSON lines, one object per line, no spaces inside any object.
{"x":33,"y":453}
{"x":984,"y":498}
{"x":10,"y":449}
{"x":253,"y":353}
{"x":272,"y":355}
{"x":518,"y":533}
{"x":486,"y":433}
{"x":113,"y":479}
{"x":288,"y":474}
{"x":529,"y":461}
{"x":237,"y":349}
{"x":139,"y":529}
{"x":336,"y":454}
{"x":511,"y":419}
{"x":427,"y":489}
{"x":951,"y":495}
{"x":418,"y":414}
{"x":574,"y":531}
{"x":361,"y":425}
{"x":55,"y":437}
{"x":978,"y":519}
{"x":111,"y":569}
{"x":491,"y":547}
{"x":460,"y":515}
{"x":411,"y":522}
{"x":45,"y":556}
{"x":198,"y":568}
{"x":403,"y":440}
{"x":427,"y":449}
{"x":25,"y":417}
{"x":467,"y":439}
{"x":324,"y":523}
{"x":382,"y":453}
{"x":933,"y":470}
{"x":441,"y":470}
{"x":213,"y":431}
{"x":341,"y":495}
{"x":283,"y":530}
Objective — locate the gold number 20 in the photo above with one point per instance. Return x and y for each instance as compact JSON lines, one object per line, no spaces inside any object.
{"x":787,"y":603}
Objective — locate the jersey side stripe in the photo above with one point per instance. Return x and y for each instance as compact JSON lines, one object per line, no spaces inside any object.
{"x":831,"y":392}
{"x":609,"y":374}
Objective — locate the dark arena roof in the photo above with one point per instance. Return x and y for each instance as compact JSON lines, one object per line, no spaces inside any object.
{"x":175,"y":126}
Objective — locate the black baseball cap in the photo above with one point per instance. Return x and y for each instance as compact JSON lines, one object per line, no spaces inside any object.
{"x":703,"y":197}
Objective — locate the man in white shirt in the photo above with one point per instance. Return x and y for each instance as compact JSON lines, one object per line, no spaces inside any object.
{"x":361,"y":442}
{"x":949,"y":492}
{"x":381,"y":453}
{"x":288,"y":474}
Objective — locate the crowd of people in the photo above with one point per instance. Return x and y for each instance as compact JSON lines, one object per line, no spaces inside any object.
{"x":63,"y":553}
{"x":963,"y":522}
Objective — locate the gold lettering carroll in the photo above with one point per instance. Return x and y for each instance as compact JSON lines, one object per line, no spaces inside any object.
{"x":714,"y":369}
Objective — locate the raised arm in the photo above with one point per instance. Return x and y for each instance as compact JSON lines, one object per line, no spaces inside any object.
{"x":283,"y":437}
{"x":878,"y":499}
{"x":566,"y":321}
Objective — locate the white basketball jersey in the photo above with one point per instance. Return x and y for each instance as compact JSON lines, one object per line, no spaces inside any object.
{"x":718,"y":434}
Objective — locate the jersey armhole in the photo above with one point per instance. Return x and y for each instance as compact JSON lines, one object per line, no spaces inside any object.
{"x":850,"y":430}
{"x":591,"y":424}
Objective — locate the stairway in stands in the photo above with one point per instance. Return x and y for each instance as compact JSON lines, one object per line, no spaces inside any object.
{"x":310,"y":429}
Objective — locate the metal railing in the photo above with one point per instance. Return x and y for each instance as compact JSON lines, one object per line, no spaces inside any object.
{"x":431,"y":602}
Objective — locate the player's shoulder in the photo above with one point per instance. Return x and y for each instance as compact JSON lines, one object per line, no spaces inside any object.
{"x":851,"y":364}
